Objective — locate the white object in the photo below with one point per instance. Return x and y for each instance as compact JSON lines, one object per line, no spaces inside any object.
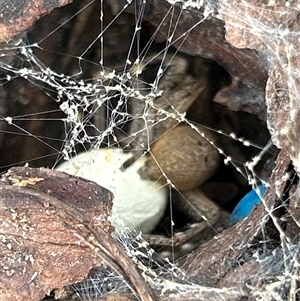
{"x":139,"y":204}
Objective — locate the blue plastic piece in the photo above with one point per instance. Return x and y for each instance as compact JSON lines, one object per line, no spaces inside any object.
{"x":247,"y":203}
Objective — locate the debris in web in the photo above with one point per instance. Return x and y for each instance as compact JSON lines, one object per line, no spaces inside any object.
{"x":125,"y":75}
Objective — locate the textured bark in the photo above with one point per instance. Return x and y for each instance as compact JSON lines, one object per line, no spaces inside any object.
{"x":219,"y":255}
{"x":261,"y":66}
{"x":203,"y":36}
{"x":18,"y":15}
{"x":40,"y":246}
{"x":54,"y":229}
{"x":272,"y":28}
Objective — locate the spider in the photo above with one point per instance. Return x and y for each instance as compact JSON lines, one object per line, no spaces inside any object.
{"x":181,"y":154}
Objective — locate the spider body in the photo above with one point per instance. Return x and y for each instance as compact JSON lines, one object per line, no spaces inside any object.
{"x":182,"y":154}
{"x":182,"y":157}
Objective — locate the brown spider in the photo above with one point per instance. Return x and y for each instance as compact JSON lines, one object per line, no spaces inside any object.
{"x":181,"y":154}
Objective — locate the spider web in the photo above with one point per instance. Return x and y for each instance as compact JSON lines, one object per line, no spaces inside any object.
{"x":104,"y":74}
